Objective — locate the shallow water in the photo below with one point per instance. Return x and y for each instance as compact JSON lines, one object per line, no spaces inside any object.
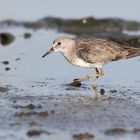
{"x":38,"y":104}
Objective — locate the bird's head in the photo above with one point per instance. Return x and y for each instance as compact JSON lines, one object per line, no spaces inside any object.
{"x":60,"y":44}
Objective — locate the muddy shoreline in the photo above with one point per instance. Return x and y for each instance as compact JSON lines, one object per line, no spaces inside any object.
{"x":36,"y":101}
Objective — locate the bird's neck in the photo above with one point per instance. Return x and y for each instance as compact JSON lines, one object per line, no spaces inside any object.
{"x":70,"y":54}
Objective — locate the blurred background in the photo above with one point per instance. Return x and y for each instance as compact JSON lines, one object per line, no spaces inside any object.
{"x":33,"y":10}
{"x":36,"y":100}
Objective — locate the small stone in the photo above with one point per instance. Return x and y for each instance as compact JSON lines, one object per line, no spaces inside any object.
{"x":83,"y":136}
{"x":102,"y":91}
{"x":43,"y":114}
{"x":27,"y":35}
{"x":115,"y":131}
{"x":33,"y":133}
{"x":3,"y":89}
{"x":6,"y":39}
{"x":7,"y":68}
{"x":30,"y":106}
{"x":75,"y":83}
{"x":5,"y":62}
{"x":113,"y":91}
{"x":17,"y":59}
{"x":136,"y":131}
{"x":52,"y":111}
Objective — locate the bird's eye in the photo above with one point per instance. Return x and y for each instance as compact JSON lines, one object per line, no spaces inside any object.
{"x":59,"y":43}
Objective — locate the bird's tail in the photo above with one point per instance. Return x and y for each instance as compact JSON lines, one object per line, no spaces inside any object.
{"x":133,"y":52}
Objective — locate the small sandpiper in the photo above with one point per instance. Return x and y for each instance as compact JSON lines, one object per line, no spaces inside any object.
{"x":91,"y":53}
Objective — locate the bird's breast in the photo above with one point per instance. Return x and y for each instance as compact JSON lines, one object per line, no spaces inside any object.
{"x":81,"y":63}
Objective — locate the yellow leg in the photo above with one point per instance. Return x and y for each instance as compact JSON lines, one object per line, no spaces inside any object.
{"x":99,"y":74}
{"x":88,"y":76}
{"x":95,"y":84}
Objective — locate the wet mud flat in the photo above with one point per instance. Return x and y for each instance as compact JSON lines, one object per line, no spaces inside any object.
{"x":37,"y":103}
{"x":69,"y":113}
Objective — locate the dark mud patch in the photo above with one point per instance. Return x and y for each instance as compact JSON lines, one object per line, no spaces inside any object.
{"x":83,"y":136}
{"x":35,"y":133}
{"x":75,"y":83}
{"x":72,"y":113}
{"x":29,"y":106}
{"x":5,"y":62}
{"x":7,"y":68}
{"x":43,"y":114}
{"x":75,"y":86}
{"x":116,"y":132}
{"x":4,"y":89}
{"x":102,"y":91}
{"x":6,"y":39}
{"x":27,"y":35}
{"x":136,"y":131}
{"x":17,"y":59}
{"x":113,"y":91}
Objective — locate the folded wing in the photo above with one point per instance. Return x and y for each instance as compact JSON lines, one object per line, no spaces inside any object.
{"x":102,"y":51}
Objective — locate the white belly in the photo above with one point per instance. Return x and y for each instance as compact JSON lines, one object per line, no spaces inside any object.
{"x":81,"y":63}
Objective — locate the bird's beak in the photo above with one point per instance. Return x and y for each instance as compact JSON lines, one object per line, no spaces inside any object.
{"x":48,"y":52}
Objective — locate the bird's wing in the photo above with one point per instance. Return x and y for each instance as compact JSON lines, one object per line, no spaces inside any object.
{"x":99,"y":51}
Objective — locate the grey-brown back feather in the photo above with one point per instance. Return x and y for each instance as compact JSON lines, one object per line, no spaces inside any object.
{"x":102,"y":51}
{"x":133,"y":52}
